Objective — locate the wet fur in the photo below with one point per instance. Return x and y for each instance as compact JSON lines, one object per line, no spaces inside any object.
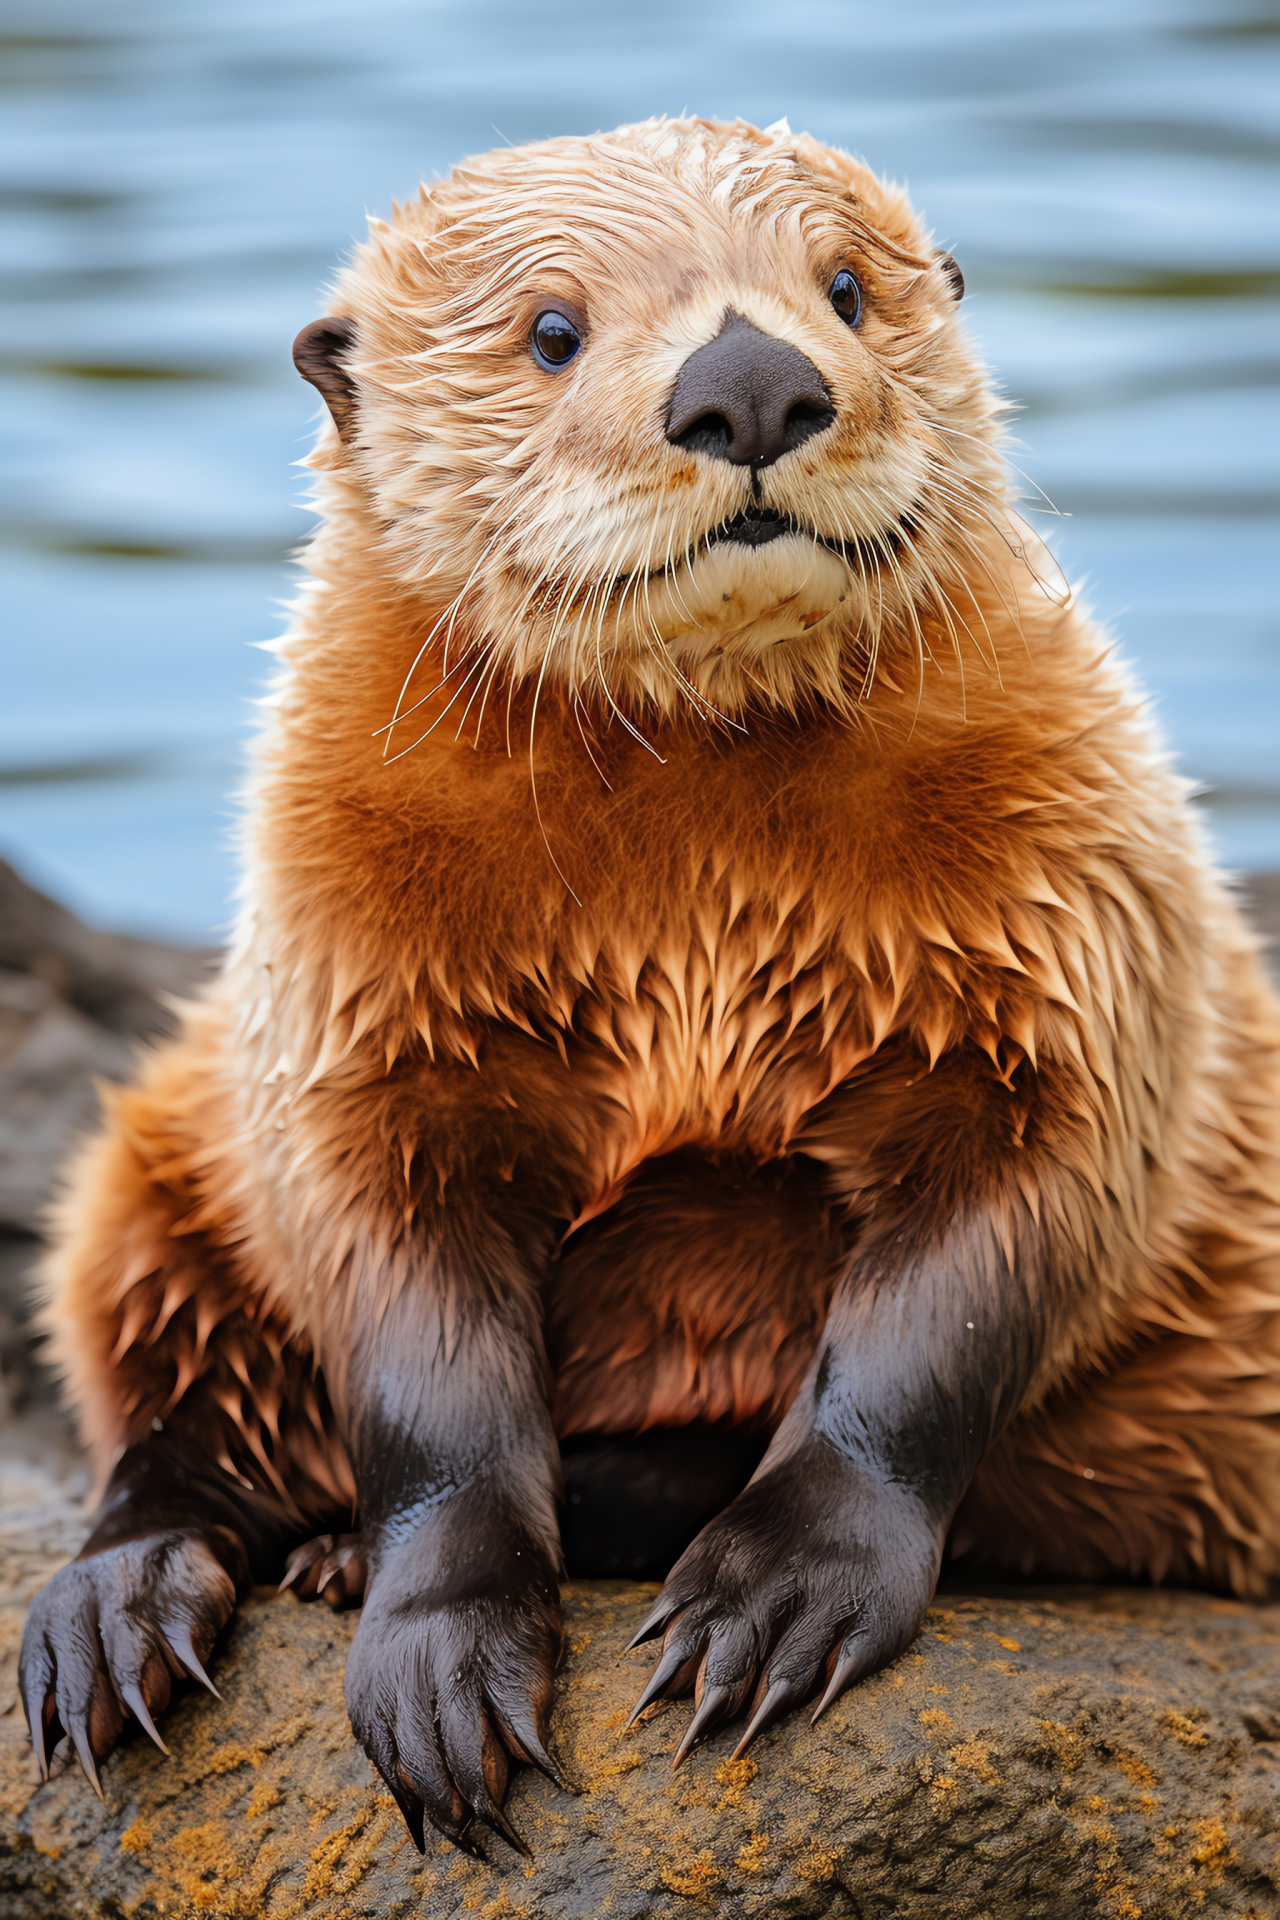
{"x":844,"y":1035}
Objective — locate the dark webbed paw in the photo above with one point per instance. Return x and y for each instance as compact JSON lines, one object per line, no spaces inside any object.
{"x":111,"y":1633}
{"x":816,"y":1571}
{"x":450,"y":1678}
{"x":332,"y":1565}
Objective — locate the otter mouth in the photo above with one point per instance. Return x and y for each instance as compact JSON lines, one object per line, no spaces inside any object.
{"x":756,"y":527}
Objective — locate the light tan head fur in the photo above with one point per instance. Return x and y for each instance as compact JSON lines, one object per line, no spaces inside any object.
{"x":551,"y":530}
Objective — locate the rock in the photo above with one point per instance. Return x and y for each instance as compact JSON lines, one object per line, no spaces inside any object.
{"x":74,"y":1003}
{"x":1043,"y":1754}
{"x":115,"y":980}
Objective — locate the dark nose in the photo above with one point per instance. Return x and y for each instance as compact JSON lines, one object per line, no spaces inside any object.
{"x":747,"y":398}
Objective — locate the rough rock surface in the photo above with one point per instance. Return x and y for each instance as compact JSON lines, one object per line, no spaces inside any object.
{"x":1037,"y":1755}
{"x":73,"y":1003}
{"x":1045,"y":1755}
{"x":72,"y":1000}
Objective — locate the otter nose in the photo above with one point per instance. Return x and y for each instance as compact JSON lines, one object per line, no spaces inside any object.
{"x":747,"y":397}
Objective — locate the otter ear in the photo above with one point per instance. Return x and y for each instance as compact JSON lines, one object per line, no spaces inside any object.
{"x":954,"y":275}
{"x":318,"y":354}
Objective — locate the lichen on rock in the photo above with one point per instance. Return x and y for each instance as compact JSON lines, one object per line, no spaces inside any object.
{"x":1036,"y":1755}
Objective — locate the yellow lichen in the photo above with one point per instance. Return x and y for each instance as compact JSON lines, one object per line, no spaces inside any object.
{"x":751,"y":1856}
{"x":937,"y":1719}
{"x":344,"y":1856}
{"x":816,"y":1866}
{"x":620,"y":1764}
{"x":139,"y":1838}
{"x":1064,"y":1742}
{"x":734,"y":1776}
{"x":1214,"y":1842}
{"x":975,"y":1757}
{"x":226,"y":1759}
{"x":210,"y":1871}
{"x":1137,"y":1770}
{"x":1185,"y":1727}
{"x":692,"y":1878}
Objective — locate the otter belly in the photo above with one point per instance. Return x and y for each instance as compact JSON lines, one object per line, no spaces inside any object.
{"x":679,"y":1325}
{"x":698,"y":1296}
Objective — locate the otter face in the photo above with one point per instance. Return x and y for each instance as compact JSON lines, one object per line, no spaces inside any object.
{"x":680,"y":411}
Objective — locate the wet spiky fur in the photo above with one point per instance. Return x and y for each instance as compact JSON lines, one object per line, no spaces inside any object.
{"x":575,"y":842}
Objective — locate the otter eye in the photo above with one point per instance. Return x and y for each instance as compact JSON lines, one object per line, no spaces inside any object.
{"x":554,"y":340}
{"x":846,"y":297}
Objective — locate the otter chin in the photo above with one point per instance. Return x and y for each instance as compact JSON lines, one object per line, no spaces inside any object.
{"x":732,"y":1018}
{"x":756,"y":584}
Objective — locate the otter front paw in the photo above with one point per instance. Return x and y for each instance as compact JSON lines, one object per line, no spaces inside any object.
{"x":109,"y":1635}
{"x":817,"y":1568}
{"x":450,"y":1677}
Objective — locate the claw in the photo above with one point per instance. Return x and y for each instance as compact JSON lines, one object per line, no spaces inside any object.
{"x":493,"y":1816}
{"x":542,"y":1757}
{"x":464,"y":1842}
{"x":131,"y":1694}
{"x":40,"y":1709}
{"x":84,"y":1753}
{"x":846,"y":1668}
{"x":716,"y":1702}
{"x":782,"y":1695}
{"x":412,"y":1814}
{"x":50,"y":1733}
{"x":179,"y":1639}
{"x":666,"y":1670}
{"x":333,"y":1565}
{"x":527,"y":1744}
{"x":303,"y":1558}
{"x":39,"y":1746}
{"x":654,"y":1625}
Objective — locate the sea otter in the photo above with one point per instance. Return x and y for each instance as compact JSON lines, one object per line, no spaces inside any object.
{"x":723,"y":954}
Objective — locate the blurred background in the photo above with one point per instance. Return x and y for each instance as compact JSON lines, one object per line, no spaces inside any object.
{"x":178,"y":179}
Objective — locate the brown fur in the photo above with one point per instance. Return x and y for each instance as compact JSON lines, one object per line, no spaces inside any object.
{"x":651,"y":884}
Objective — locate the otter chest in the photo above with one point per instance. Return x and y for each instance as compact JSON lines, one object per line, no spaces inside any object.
{"x":726,"y":1031}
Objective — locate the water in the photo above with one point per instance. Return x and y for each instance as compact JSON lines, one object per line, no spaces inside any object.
{"x":178,"y":177}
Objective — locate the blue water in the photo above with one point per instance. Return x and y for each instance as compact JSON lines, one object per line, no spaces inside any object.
{"x":177,"y":178}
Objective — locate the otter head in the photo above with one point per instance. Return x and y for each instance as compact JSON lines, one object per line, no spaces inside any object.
{"x":676,"y":413}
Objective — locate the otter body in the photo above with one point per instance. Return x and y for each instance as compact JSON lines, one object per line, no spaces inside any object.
{"x":722,"y":949}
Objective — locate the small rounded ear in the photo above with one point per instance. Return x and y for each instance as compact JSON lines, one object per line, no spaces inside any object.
{"x":318,"y":354}
{"x":954,"y":275}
